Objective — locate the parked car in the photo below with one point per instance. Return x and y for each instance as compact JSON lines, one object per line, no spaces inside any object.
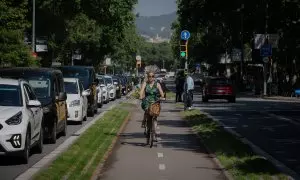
{"x":21,"y":117}
{"x":77,"y":100}
{"x":218,"y":88}
{"x":87,"y":76}
{"x":124,"y":84}
{"x":48,"y":85}
{"x":103,"y":87}
{"x":110,"y":87}
{"x":117,"y":83}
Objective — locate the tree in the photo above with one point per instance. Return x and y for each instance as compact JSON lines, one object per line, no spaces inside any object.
{"x":220,"y":24}
{"x":13,"y":50}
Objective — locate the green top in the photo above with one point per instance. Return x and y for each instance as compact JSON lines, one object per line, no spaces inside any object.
{"x":151,"y":95}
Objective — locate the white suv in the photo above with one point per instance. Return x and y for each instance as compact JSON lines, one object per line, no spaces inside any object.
{"x":21,"y":117}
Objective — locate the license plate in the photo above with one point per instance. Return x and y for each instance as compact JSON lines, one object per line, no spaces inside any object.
{"x":220,"y":91}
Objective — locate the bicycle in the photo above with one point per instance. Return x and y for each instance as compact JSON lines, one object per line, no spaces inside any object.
{"x":150,"y":126}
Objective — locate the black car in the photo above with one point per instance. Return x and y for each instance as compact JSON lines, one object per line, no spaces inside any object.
{"x":48,"y":85}
{"x":87,"y":75}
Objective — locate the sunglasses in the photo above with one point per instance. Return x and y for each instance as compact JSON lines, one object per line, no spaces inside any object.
{"x":151,"y":76}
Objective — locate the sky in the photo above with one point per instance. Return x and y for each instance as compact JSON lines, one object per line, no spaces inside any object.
{"x":155,"y":7}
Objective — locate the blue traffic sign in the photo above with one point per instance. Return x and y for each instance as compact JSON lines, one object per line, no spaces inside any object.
{"x":185,"y":35}
{"x":266,"y":50}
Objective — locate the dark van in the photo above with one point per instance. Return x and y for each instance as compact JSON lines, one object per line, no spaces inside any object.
{"x":87,"y":75}
{"x":49,"y":87}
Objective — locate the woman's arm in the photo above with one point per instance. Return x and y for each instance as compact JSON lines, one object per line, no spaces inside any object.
{"x":142,"y":91}
{"x":160,"y":90}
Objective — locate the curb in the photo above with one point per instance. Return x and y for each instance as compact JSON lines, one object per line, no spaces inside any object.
{"x":211,"y":154}
{"x":49,"y":158}
{"x":100,"y":166}
{"x":291,"y":174}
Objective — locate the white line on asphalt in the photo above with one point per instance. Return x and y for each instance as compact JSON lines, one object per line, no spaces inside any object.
{"x":281,"y":118}
{"x":282,"y":167}
{"x":162,"y":167}
{"x":160,"y":155}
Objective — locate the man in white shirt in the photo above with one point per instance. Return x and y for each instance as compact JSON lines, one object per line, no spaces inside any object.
{"x":188,"y":89}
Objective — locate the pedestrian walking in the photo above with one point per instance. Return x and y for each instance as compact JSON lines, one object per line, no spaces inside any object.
{"x":188,"y":91}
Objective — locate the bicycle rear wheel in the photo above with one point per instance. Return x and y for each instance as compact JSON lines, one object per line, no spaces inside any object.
{"x":152,"y":134}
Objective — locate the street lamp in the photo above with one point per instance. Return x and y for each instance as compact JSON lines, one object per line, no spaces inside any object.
{"x":33,"y":26}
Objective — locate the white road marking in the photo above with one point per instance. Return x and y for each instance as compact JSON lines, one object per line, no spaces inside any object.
{"x":160,"y":155}
{"x":162,"y":167}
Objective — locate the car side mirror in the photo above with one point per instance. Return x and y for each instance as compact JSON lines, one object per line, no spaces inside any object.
{"x":34,"y":103}
{"x":86,"y":93}
{"x":62,"y":96}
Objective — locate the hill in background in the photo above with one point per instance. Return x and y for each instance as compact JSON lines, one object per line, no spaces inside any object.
{"x":156,"y":26}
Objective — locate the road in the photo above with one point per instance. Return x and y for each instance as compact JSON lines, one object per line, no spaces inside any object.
{"x":177,"y":155}
{"x":10,"y":167}
{"x":272,"y":125}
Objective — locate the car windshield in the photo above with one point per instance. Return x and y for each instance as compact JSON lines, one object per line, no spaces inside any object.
{"x":10,"y":95}
{"x":41,"y":86}
{"x":108,"y":80}
{"x":71,"y":87}
{"x":81,"y":74}
{"x":221,"y":81}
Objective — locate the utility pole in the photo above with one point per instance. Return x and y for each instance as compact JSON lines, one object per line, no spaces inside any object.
{"x":33,"y":26}
{"x":265,"y":63}
{"x":242,"y":40}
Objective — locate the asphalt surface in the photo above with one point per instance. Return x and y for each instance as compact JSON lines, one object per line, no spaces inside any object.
{"x":10,"y":167}
{"x":272,"y":125}
{"x":177,"y":155}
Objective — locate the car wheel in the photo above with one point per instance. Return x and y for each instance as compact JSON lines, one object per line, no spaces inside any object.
{"x":204,"y":99}
{"x":100,"y":105}
{"x":40,"y":142}
{"x":53,"y":133}
{"x":91,"y":113}
{"x":232,"y":100}
{"x":65,"y":130}
{"x":26,"y":151}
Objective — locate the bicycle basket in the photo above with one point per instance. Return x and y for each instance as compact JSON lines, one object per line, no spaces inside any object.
{"x":154,"y":109}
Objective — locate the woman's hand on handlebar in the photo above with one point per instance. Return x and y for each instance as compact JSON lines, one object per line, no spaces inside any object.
{"x":162,"y":99}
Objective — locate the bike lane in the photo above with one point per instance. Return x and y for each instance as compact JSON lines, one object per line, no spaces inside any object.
{"x":176,"y":155}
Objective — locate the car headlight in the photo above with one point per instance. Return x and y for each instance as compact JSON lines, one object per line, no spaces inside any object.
{"x":75,"y":103}
{"x":15,"y":120}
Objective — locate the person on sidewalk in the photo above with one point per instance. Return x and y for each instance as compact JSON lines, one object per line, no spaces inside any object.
{"x":179,"y":86}
{"x":188,"y":90}
{"x":150,"y":92}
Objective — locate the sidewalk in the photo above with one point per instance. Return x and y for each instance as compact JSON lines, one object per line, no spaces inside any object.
{"x":177,"y":155}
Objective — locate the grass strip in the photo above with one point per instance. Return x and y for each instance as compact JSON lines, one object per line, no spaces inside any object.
{"x":171,"y":95}
{"x":236,"y":157}
{"x":80,"y":160}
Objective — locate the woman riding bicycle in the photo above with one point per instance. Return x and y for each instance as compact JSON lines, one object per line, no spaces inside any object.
{"x":149,"y":93}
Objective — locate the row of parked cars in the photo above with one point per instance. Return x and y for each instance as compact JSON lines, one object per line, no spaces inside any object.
{"x":36,"y":103}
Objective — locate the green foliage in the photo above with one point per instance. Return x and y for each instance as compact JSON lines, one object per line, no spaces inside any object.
{"x":156,"y":53}
{"x":97,"y":28}
{"x":218,"y":24}
{"x":13,"y":51}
